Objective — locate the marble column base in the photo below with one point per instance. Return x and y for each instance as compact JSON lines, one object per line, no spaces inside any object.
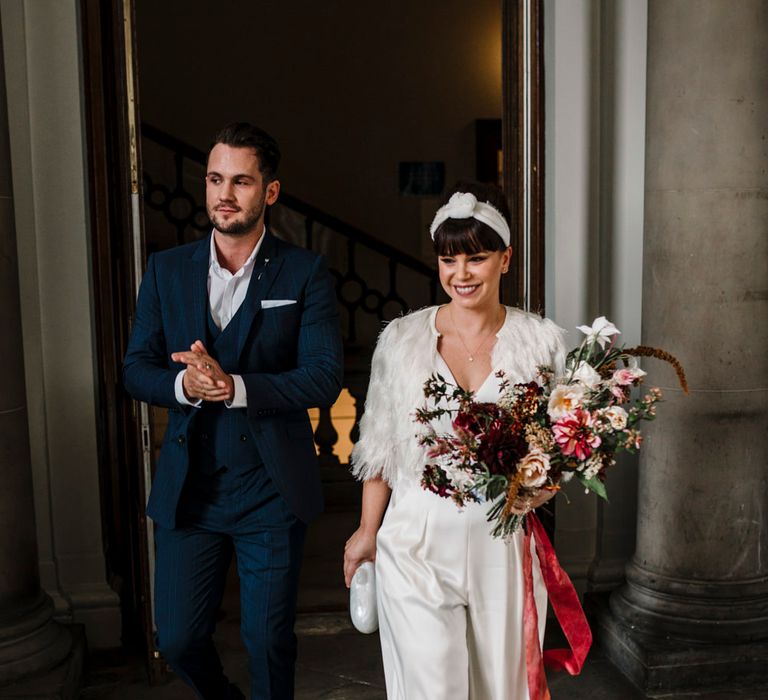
{"x":31,"y":642}
{"x":62,"y":682}
{"x":661,"y":665}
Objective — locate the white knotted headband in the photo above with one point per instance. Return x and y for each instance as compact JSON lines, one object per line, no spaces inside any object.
{"x":464,"y":205}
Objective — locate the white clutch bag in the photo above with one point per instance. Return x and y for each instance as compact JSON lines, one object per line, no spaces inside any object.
{"x":362,"y":599}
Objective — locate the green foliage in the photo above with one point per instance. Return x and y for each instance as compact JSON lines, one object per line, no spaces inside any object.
{"x":593,"y":484}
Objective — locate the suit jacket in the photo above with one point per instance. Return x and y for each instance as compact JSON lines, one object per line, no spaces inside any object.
{"x":290,"y":359}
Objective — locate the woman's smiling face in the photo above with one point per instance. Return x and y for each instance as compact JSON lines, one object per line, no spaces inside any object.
{"x":472,"y":280}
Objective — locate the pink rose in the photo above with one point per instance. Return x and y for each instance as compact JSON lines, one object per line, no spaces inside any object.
{"x":627,"y":375}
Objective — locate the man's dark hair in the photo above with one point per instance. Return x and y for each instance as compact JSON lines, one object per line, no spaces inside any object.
{"x":470,"y":236}
{"x":245,"y":135}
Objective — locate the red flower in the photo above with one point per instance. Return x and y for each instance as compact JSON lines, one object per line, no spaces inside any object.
{"x":439,"y":449}
{"x":502,"y":447}
{"x":467,"y":422}
{"x":573,"y":433}
{"x":500,"y":440}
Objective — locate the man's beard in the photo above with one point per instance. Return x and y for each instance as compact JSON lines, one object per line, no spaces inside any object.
{"x":239,"y":227}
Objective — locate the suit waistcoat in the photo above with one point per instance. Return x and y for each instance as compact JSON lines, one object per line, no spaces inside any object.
{"x":221,"y":436}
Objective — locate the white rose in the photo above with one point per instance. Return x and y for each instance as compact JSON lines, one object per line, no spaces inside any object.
{"x":564,"y":399}
{"x":587,"y":375}
{"x":534,"y":468}
{"x":617,"y":417}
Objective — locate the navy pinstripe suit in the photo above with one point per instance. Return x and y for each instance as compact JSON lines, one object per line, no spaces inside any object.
{"x":242,"y":480}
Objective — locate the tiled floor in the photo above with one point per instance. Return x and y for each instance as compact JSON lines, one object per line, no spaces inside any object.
{"x":338,"y":663}
{"x":335,"y":662}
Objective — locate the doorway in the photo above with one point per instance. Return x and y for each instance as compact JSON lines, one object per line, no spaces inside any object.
{"x":376,"y":115}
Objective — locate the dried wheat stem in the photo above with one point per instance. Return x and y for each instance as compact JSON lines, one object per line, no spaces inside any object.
{"x":512,"y":490}
{"x":646,"y":351}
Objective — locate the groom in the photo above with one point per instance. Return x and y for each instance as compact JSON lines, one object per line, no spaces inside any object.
{"x":237,"y":335}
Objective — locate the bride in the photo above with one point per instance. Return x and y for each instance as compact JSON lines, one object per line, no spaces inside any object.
{"x":450,"y":597}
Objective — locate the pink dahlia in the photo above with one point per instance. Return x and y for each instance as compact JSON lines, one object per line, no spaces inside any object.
{"x":573,"y":433}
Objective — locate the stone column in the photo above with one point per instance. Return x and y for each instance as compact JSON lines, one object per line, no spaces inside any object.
{"x":30,"y":641}
{"x":694,"y":610}
{"x":46,"y":120}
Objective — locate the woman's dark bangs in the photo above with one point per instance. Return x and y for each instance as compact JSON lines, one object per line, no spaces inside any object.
{"x":467,"y":237}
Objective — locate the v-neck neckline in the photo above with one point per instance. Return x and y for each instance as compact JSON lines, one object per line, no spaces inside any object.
{"x":437,"y":334}
{"x":474,"y":392}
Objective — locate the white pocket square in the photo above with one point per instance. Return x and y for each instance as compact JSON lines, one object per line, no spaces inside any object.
{"x":272,"y":303}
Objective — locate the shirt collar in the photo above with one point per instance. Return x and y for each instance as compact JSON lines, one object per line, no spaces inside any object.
{"x":214,"y":265}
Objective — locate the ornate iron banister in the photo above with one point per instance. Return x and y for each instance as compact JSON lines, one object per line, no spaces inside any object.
{"x":172,"y":143}
{"x":351,"y":232}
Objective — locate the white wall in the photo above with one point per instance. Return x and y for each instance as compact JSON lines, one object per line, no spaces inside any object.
{"x":595,"y":144}
{"x":47,"y":132}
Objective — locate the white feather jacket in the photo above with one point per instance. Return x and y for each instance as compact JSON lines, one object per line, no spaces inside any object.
{"x":405,"y":356}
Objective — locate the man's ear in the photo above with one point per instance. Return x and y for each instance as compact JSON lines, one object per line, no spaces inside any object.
{"x":272,"y":192}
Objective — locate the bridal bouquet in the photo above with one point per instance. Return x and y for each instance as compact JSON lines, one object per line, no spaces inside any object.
{"x":540,"y":434}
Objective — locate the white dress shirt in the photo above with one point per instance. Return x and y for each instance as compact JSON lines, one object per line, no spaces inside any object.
{"x":226,"y":292}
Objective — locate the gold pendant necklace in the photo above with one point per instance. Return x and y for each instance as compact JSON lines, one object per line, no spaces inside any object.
{"x":470,"y":354}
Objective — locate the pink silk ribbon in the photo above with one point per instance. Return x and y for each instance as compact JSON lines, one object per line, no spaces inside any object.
{"x":568,"y":610}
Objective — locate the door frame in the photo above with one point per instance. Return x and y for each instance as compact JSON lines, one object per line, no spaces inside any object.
{"x":523,"y":147}
{"x":118,"y":258}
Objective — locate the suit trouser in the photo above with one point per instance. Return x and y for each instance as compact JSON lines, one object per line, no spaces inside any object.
{"x":218,"y":514}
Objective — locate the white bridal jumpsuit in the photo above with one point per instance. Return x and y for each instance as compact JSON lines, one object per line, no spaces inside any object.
{"x":450,"y":596}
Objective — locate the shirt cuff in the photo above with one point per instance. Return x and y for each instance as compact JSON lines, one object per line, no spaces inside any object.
{"x":240,"y":399}
{"x":179,"y":389}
